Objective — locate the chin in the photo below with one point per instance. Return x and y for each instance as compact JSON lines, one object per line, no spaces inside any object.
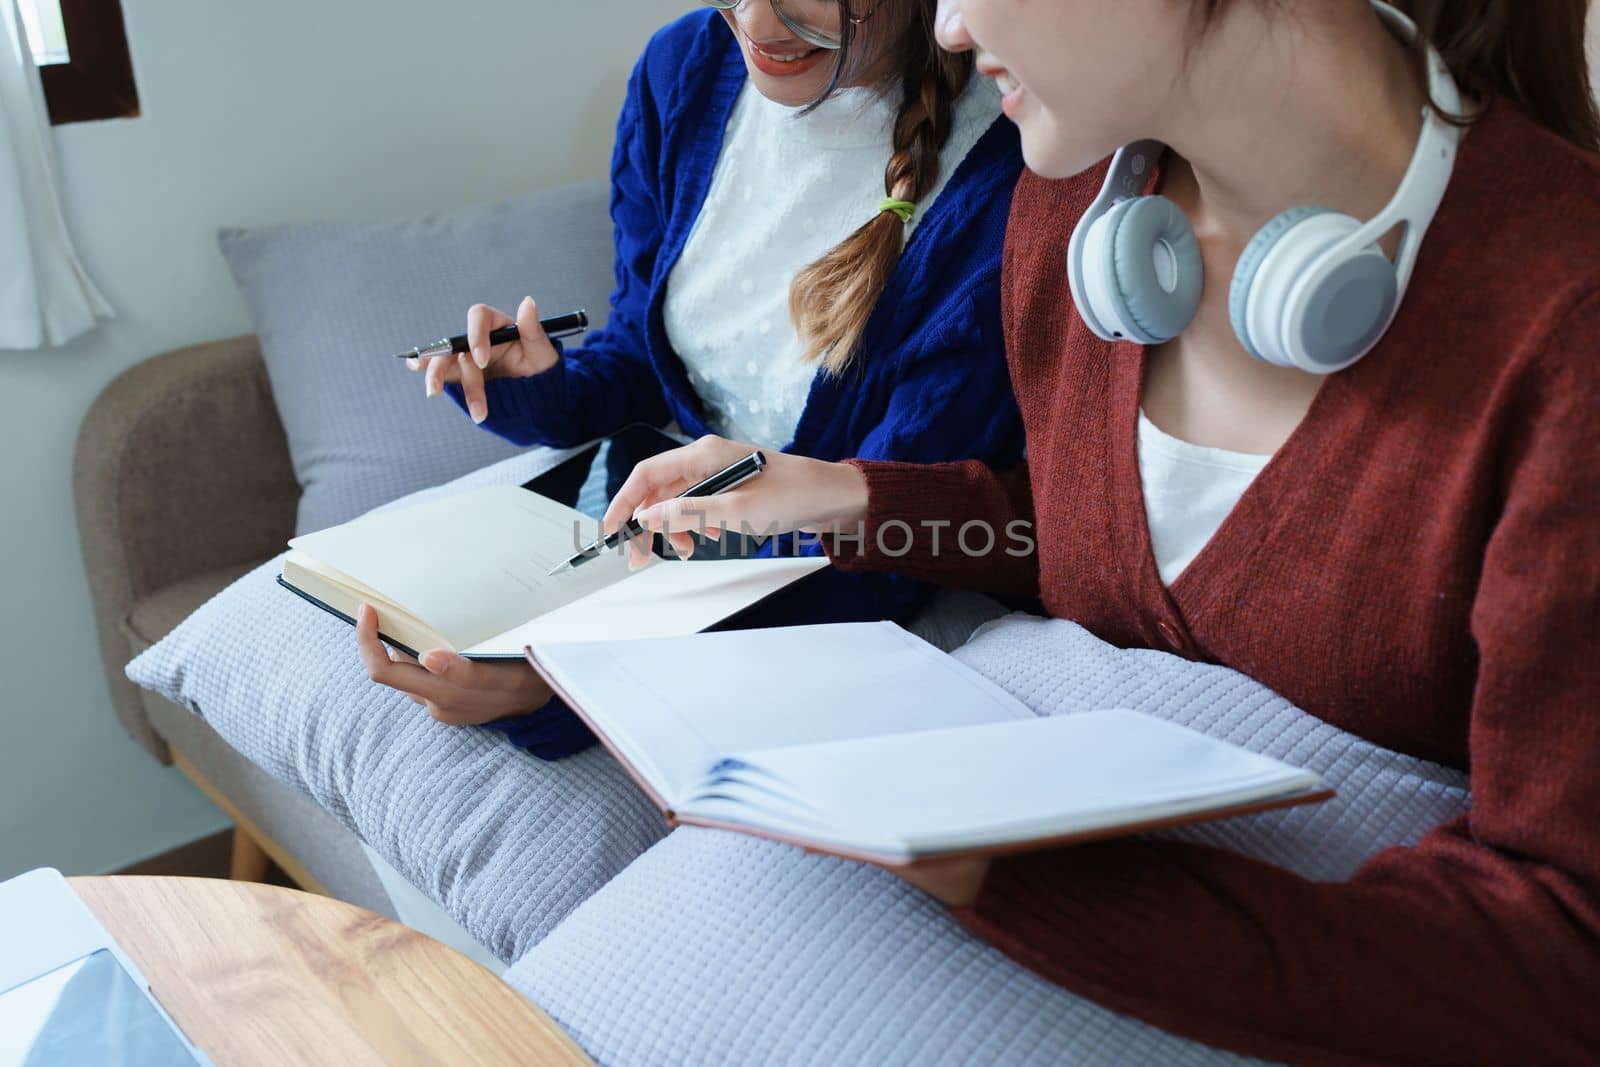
{"x":785,"y":92}
{"x":1050,"y":153}
{"x":1047,"y":159}
{"x":789,"y":91}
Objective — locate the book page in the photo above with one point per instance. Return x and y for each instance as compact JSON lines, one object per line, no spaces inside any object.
{"x":471,"y":565}
{"x":675,"y":706}
{"x":975,"y":786}
{"x":667,"y":599}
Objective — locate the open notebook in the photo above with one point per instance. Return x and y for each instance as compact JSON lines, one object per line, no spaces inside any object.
{"x":492,"y":595}
{"x":863,"y":741}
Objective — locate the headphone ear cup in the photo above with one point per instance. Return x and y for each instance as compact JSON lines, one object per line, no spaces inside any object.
{"x":1343,"y":312}
{"x":1249,"y":268}
{"x":1292,"y":306}
{"x":1143,"y":272}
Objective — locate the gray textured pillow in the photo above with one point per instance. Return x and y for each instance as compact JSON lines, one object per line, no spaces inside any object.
{"x":332,"y":300}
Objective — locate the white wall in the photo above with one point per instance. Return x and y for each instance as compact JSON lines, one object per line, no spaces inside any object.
{"x":1594,"y":46}
{"x":252,"y":113}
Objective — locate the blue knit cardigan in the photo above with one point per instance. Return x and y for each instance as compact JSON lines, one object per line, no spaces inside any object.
{"x":931,"y":384}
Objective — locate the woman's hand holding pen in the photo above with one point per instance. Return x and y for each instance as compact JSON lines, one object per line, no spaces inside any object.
{"x":530,"y":354}
{"x":793,"y":493}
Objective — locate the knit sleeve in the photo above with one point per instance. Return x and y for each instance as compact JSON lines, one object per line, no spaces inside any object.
{"x":609,"y":382}
{"x":958,"y":524}
{"x":1480,"y":944}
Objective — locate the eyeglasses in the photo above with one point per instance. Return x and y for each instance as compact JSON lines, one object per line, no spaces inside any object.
{"x":815,"y":22}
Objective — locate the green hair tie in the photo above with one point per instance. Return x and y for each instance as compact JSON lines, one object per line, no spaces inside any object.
{"x":903,"y":208}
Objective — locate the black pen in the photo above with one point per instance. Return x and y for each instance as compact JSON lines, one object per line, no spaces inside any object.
{"x":573,"y":322}
{"x":728,"y":478}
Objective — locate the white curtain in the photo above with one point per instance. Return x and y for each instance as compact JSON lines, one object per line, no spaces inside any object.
{"x":45,"y":296}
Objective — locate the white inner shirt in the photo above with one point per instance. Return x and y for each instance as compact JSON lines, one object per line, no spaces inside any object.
{"x":1188,"y":492}
{"x":786,"y":189}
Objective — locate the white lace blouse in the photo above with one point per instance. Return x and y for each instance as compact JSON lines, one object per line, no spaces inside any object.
{"x":786,"y":189}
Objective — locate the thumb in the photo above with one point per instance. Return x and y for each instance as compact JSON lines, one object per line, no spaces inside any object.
{"x":538,"y":352}
{"x":528,"y":319}
{"x":442,"y":663}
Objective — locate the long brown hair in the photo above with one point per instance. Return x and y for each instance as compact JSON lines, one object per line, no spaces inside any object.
{"x":1531,"y":52}
{"x":831,"y":300}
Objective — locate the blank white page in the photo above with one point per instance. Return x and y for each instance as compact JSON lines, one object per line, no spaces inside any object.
{"x":667,"y":599}
{"x":974,"y":786}
{"x":673,"y":706}
{"x":470,"y":565}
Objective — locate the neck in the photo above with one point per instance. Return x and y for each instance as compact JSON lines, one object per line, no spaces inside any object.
{"x":1282,"y":109}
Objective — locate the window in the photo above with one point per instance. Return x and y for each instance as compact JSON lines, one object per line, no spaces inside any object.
{"x":82,"y":52}
{"x":41,"y":19}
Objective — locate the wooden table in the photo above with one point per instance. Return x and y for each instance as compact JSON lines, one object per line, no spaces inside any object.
{"x":256,"y":974}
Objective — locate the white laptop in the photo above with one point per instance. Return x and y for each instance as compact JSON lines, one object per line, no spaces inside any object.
{"x":68,"y":995}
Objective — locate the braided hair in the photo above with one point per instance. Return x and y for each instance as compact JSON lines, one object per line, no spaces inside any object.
{"x":831,"y":300}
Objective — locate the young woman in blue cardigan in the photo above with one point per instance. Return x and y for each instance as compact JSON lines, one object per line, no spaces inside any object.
{"x":809,"y":200}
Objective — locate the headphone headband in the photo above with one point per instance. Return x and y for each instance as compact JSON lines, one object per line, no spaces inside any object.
{"x":1422,"y":189}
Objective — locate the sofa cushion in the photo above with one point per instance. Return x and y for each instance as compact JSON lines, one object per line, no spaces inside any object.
{"x":157,"y":614}
{"x":332,"y":301}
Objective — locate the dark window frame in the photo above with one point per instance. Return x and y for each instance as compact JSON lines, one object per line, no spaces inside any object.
{"x":96,"y":82}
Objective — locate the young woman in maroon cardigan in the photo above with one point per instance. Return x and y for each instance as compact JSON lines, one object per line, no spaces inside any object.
{"x":1418,"y":562}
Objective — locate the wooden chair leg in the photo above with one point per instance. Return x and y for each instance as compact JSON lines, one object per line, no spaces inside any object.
{"x":248,"y":861}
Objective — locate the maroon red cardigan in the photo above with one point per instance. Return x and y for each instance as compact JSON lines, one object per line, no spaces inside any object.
{"x":1419,"y":565}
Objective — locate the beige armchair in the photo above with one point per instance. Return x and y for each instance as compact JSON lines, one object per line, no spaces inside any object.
{"x":183,"y":483}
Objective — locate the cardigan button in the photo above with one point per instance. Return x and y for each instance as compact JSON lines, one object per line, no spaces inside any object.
{"x":1169,"y":633}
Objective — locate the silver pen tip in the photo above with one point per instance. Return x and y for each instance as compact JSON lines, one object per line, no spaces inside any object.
{"x":564,"y":565}
{"x":440,"y":347}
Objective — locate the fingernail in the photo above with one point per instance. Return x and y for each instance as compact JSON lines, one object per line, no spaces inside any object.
{"x":432,"y":388}
{"x":952,"y":22}
{"x":478,"y":413}
{"x":413,"y":363}
{"x":480,"y":358}
{"x":433,"y":661}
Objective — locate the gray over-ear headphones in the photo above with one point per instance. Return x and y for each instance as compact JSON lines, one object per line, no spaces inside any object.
{"x":1312,"y":290}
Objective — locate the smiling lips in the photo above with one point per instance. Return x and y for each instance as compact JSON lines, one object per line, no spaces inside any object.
{"x":784,"y":60}
{"x":1010,"y":88}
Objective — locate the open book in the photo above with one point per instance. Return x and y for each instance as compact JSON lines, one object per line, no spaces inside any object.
{"x":866,"y":742}
{"x":471,"y":573}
